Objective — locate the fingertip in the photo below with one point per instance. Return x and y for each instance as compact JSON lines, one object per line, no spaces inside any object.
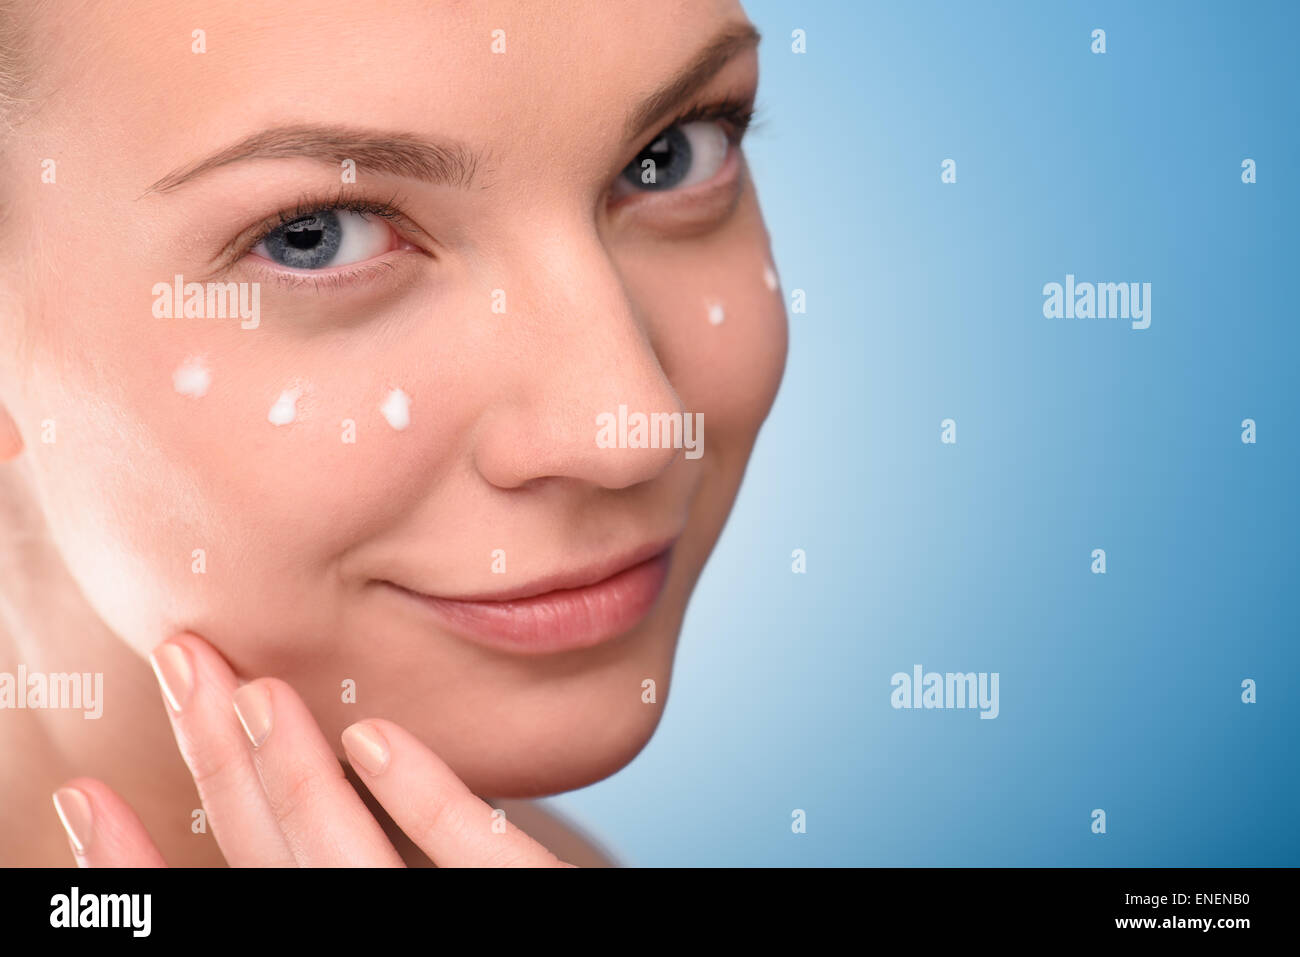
{"x":274,"y":686}
{"x":173,"y":666}
{"x":72,"y":805}
{"x":102,"y":829}
{"x":177,"y":638}
{"x":255,"y":710}
{"x":366,"y":746}
{"x":199,"y":647}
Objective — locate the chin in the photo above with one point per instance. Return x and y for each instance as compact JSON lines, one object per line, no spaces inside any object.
{"x":521,"y":772}
{"x":534,"y":755}
{"x":522,"y":726}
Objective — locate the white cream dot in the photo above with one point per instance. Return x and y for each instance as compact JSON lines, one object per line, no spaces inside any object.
{"x":769,"y":277}
{"x":397,"y":409}
{"x":192,"y":378}
{"x":716,"y":314}
{"x":283,"y":412}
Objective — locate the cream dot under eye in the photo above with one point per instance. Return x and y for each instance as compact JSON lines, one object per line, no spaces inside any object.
{"x":397,"y":409}
{"x":283,"y":412}
{"x":192,"y":378}
{"x":716,"y":313}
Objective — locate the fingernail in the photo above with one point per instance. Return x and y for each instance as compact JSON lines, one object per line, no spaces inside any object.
{"x":73,"y":808}
{"x":171,"y":664}
{"x":366,"y":747}
{"x":253,"y":706}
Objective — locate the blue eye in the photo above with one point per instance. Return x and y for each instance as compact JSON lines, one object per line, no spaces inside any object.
{"x":330,"y":237}
{"x":680,"y":156}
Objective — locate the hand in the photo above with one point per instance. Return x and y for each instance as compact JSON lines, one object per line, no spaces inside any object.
{"x":275,"y":793}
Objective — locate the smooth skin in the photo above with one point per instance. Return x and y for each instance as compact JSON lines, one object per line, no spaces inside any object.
{"x":112,"y":480}
{"x":275,"y":794}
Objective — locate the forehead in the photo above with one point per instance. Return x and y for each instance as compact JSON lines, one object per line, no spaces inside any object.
{"x":130,"y":72}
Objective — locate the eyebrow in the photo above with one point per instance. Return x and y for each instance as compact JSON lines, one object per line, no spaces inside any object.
{"x":707,"y":64}
{"x":441,"y":162}
{"x":398,"y":154}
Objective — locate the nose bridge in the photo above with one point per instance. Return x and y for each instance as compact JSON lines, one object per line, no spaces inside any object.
{"x":576,"y":284}
{"x":584,"y":351}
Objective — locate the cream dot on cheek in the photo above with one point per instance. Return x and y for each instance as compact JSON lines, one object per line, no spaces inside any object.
{"x":397,"y":409}
{"x":192,"y":378}
{"x":283,"y":412}
{"x":716,"y":313}
{"x":769,"y":277}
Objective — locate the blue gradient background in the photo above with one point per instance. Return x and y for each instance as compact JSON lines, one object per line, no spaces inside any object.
{"x":1118,"y":691}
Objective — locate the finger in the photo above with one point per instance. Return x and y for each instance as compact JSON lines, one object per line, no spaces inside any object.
{"x":321,"y":817}
{"x":432,"y":805}
{"x":102,"y":829}
{"x":197,"y":685}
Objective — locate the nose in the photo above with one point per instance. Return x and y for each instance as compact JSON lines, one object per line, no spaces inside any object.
{"x":582,"y":350}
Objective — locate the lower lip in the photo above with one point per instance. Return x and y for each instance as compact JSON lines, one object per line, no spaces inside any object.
{"x":563,"y":620}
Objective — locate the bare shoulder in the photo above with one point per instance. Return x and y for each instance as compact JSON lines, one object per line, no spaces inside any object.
{"x":557,"y":833}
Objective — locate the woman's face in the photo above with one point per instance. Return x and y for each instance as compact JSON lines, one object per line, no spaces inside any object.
{"x":409,"y":407}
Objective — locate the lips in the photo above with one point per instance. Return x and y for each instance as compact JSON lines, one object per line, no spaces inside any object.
{"x":563,"y":612}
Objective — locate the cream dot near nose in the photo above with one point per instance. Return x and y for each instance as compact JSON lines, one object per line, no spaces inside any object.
{"x":283,"y":412}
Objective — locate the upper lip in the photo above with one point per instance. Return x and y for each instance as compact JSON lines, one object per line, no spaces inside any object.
{"x":567,"y":580}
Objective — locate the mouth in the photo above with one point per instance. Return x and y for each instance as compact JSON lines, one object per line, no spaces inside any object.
{"x":563,"y":612}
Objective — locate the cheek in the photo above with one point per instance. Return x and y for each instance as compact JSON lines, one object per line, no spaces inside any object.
{"x":719,"y":325}
{"x":208,"y":470}
{"x":733,"y":361}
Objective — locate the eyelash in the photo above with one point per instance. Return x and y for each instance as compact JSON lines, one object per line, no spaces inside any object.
{"x":736,"y":114}
{"x":309,"y":206}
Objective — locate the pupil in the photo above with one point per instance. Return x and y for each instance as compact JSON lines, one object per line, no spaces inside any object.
{"x":310,"y":242}
{"x":304,"y":234}
{"x":671,"y":155}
